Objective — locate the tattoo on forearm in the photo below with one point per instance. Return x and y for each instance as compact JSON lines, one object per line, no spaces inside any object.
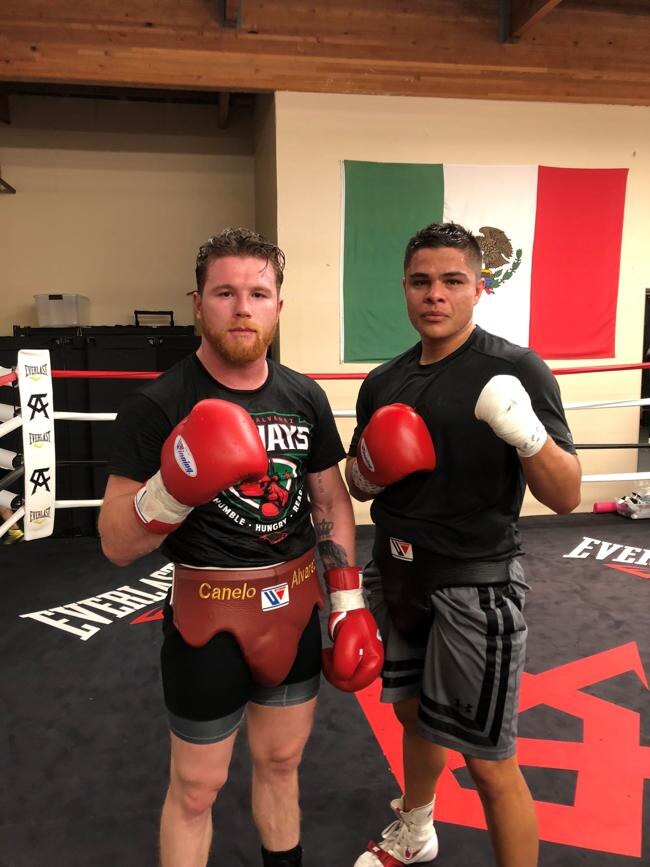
{"x":323,"y":529}
{"x":332,"y":554}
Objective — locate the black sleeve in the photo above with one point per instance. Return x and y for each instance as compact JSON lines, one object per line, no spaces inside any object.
{"x":364,"y":411}
{"x":544,"y":391}
{"x":326,"y":446}
{"x":139,"y":432}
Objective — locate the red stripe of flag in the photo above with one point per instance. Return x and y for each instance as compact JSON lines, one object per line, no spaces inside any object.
{"x":576,"y":260}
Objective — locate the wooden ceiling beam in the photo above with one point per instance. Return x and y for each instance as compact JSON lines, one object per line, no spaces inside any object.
{"x":525,"y":13}
{"x":231,"y":73}
{"x":577,"y":55}
{"x":229,"y":13}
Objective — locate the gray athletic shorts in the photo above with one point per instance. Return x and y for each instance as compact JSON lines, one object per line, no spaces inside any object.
{"x":466,"y":673}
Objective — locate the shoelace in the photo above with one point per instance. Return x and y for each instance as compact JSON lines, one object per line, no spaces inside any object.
{"x":393,"y":836}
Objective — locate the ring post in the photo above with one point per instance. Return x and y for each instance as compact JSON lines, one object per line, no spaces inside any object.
{"x":37,"y":411}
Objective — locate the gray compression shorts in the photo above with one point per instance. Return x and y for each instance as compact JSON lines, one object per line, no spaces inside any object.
{"x":465,"y":668}
{"x":207,"y":688}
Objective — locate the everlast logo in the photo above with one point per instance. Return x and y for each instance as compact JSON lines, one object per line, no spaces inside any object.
{"x":37,"y":439}
{"x":37,"y":403}
{"x":32,"y":370}
{"x":601,"y":550}
{"x":86,"y":618}
{"x":40,"y":479}
{"x":226,"y":594}
{"x":40,"y":515}
{"x":300,"y":575}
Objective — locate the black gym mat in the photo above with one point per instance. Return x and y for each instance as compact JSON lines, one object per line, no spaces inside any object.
{"x":84,"y":738}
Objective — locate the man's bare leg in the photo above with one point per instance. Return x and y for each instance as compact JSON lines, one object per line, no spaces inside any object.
{"x":423,"y":761}
{"x":509,"y":811}
{"x":277,"y":737}
{"x":197,"y":773}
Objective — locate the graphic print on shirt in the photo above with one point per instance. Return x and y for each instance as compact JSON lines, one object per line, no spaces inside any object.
{"x":267,"y":504}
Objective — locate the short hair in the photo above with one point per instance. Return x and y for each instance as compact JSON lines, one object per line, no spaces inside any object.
{"x":238,"y":242}
{"x":437,"y":235}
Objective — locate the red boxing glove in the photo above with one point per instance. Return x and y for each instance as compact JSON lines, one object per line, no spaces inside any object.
{"x":357,"y":656}
{"x":214,"y":447}
{"x":395,"y":443}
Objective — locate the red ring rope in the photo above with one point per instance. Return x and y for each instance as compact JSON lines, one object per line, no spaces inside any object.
{"x":142,"y":374}
{"x":135,"y":374}
{"x":603,"y":368}
{"x":8,"y":378}
{"x":105,"y":374}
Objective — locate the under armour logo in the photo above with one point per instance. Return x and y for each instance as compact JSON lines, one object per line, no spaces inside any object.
{"x":38,"y":404}
{"x":40,"y":479}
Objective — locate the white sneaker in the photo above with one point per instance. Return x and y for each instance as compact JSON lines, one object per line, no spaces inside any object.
{"x":410,"y":839}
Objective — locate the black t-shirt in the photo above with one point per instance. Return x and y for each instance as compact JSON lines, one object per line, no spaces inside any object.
{"x":247,"y":525}
{"x":468,"y":507}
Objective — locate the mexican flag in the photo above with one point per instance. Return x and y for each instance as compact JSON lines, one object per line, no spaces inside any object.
{"x":551,"y":241}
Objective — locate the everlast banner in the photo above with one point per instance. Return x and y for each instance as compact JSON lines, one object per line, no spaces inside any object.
{"x":35,"y":381}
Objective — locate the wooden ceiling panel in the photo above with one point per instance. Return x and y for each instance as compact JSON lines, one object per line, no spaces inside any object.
{"x":578,"y":51}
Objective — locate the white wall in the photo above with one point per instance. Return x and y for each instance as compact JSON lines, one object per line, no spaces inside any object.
{"x":266,"y":181}
{"x":316,"y":132}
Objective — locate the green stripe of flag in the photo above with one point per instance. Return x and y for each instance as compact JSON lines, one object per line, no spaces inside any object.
{"x":385,"y":204}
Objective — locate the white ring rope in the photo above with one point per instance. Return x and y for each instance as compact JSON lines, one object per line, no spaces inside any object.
{"x":6,"y":411}
{"x":73,"y":504}
{"x":13,"y":424}
{"x":8,"y":524}
{"x":346,"y":413}
{"x":615,"y":477}
{"x":644,"y":401}
{"x":7,"y":498}
{"x":85,"y":416}
{"x":7,"y":459}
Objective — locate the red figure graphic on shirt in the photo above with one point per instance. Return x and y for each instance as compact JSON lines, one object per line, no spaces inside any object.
{"x":269,"y":490}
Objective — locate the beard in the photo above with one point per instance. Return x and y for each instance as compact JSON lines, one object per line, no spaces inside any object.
{"x":235,"y":350}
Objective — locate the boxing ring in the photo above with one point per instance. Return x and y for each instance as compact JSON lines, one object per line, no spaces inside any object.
{"x":34,"y":414}
{"x":86,"y":733}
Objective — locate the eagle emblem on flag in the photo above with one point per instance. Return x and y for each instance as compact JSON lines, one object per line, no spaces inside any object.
{"x":500,"y":261}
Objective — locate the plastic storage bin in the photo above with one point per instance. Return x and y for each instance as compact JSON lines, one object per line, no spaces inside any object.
{"x":61,"y":309}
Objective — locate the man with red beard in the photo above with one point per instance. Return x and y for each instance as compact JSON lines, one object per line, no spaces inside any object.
{"x":241,"y":631}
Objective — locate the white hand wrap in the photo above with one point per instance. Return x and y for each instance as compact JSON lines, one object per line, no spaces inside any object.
{"x":153,"y":502}
{"x":362,"y":483}
{"x":342,"y":601}
{"x":505,"y":405}
{"x":346,"y":600}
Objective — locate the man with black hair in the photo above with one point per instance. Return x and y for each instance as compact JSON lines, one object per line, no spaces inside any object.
{"x":448,"y":436}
